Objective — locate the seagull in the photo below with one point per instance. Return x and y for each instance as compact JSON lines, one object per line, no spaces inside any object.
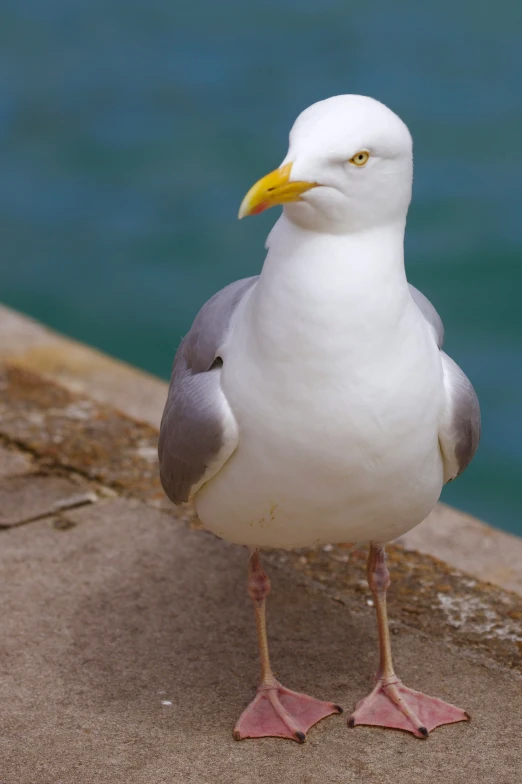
{"x":313,"y":403}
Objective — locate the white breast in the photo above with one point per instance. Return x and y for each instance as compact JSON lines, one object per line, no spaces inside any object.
{"x":336,"y":386}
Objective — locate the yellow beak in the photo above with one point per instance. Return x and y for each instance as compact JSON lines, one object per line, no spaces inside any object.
{"x":274,"y":188}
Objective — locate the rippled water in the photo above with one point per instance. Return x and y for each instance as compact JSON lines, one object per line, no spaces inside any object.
{"x":129,"y":132}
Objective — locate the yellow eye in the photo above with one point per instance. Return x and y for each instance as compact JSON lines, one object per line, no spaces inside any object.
{"x":360,"y":158}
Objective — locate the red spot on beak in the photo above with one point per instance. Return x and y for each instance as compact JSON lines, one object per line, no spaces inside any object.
{"x":260,"y":208}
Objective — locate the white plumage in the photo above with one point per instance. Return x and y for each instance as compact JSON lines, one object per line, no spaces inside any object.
{"x":314,"y":404}
{"x":335,"y":380}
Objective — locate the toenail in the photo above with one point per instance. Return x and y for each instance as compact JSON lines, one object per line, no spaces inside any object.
{"x":351,"y":722}
{"x":338,"y":708}
{"x":423,"y":731}
{"x":301,"y":737}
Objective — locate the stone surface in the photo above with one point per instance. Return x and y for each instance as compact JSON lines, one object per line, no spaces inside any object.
{"x":128,"y":650}
{"x":425,"y":594}
{"x":82,"y":369}
{"x":13,"y":462}
{"x":78,"y":433}
{"x":127,"y":640}
{"x":459,"y":539}
{"x":26,"y":498}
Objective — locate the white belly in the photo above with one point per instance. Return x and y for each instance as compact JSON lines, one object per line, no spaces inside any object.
{"x":329,"y":454}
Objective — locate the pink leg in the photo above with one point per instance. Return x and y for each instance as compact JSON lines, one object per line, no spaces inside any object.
{"x":391,"y":704}
{"x":275,"y":711}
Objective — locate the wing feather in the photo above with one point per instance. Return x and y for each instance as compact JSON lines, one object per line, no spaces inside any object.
{"x":459,"y":432}
{"x":198,"y":431}
{"x":429,"y":313}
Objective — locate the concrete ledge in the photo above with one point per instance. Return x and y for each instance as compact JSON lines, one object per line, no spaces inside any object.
{"x":472,"y":546}
{"x":28,"y":344}
{"x":128,"y":644}
{"x":128,"y":651}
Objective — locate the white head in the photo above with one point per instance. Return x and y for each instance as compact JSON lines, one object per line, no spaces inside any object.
{"x":348,"y":168}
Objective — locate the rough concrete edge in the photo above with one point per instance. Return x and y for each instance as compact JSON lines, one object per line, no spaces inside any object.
{"x":82,"y":369}
{"x":483,"y":551}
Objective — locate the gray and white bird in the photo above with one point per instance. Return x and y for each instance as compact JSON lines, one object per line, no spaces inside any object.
{"x":313,"y":403}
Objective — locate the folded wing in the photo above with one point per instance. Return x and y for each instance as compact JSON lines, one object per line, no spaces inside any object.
{"x":459,"y":431}
{"x":198,"y":431}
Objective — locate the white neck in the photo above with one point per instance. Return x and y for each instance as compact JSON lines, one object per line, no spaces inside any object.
{"x":373,"y":252}
{"x":314,"y":283}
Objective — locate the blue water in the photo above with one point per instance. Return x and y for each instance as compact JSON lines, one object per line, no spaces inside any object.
{"x":129,"y":132}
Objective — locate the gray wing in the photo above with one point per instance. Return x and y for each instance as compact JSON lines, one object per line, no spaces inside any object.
{"x":429,"y":313}
{"x":459,"y":433}
{"x":198,"y":432}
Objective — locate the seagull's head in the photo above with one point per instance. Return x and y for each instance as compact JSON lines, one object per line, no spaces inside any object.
{"x":348,"y":168}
